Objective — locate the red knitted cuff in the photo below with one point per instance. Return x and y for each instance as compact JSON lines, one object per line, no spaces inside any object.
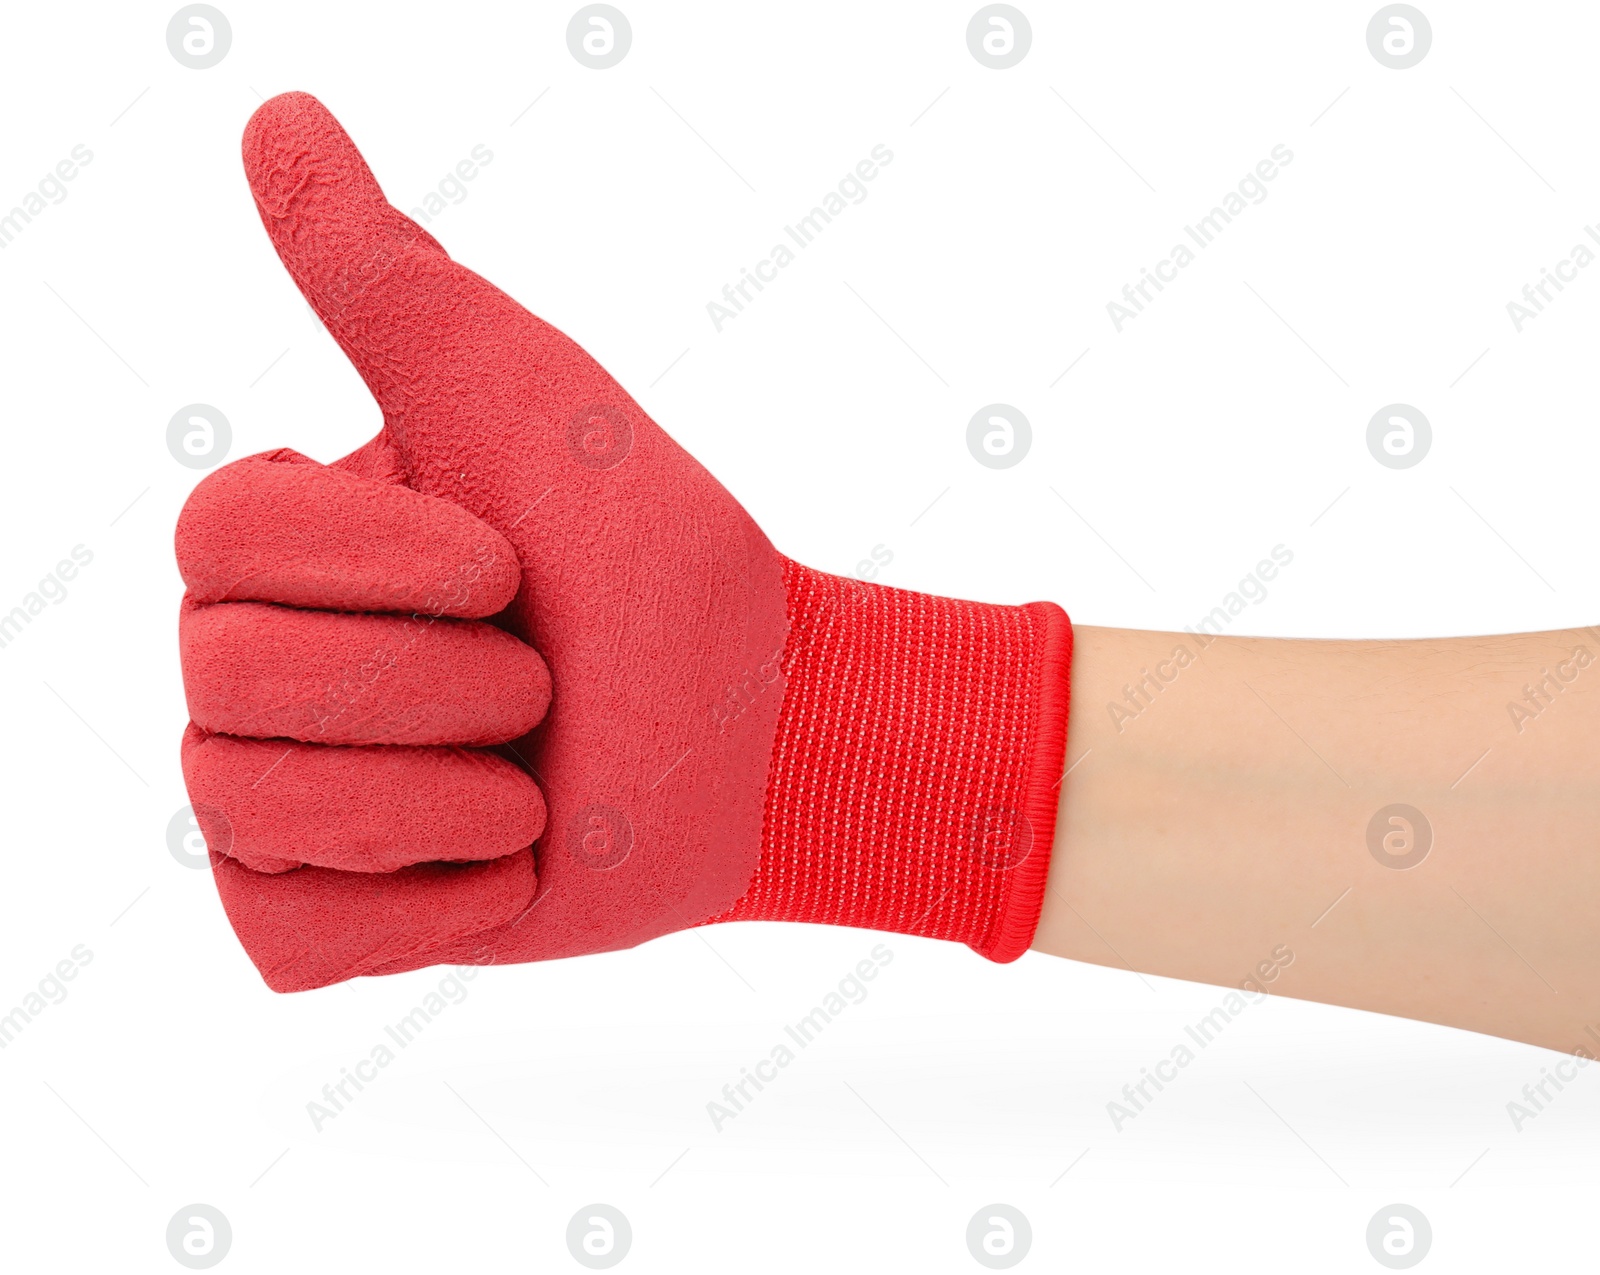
{"x":917,"y":764}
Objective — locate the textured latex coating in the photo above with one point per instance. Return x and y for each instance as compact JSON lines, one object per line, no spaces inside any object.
{"x":281,"y":528}
{"x":644,"y":586}
{"x":299,"y":938}
{"x":274,"y":804}
{"x":252,"y":668}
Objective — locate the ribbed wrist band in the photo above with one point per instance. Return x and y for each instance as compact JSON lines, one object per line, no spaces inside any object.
{"x":917,"y":764}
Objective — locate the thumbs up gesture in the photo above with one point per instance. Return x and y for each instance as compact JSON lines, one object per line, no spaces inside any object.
{"x":518,"y":679}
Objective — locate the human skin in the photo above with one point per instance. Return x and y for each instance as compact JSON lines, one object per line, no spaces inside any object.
{"x":1229,"y":817}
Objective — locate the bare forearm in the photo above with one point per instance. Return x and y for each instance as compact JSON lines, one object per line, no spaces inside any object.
{"x":1225,"y":813}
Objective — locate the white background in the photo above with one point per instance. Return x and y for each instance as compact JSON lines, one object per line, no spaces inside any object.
{"x":1225,"y":420}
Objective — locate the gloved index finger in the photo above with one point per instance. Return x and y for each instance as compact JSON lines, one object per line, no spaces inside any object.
{"x":291,"y":531}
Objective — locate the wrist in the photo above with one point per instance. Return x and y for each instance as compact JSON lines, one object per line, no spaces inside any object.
{"x":916,"y":768}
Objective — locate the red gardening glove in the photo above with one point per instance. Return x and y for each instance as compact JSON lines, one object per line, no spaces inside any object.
{"x":729,"y":735}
